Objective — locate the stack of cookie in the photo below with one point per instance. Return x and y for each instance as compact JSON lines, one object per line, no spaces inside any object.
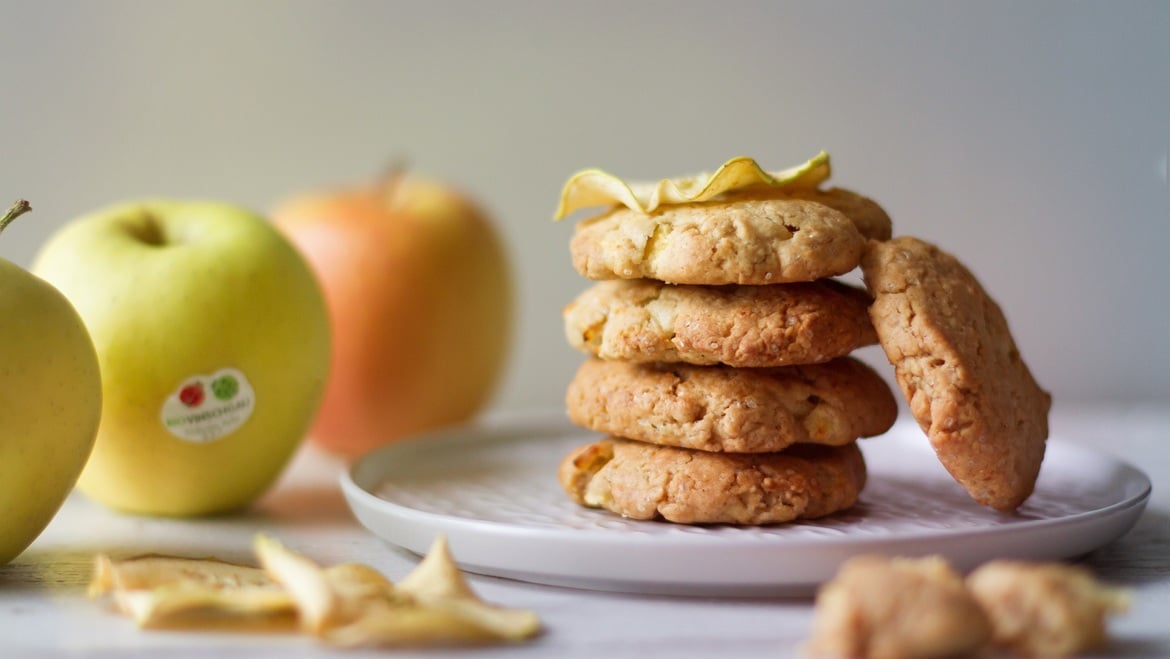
{"x":720,"y":371}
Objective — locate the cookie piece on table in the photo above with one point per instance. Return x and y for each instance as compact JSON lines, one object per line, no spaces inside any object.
{"x":958,"y":366}
{"x":737,"y":410}
{"x":645,"y":481}
{"x":767,"y":241}
{"x":904,"y":608}
{"x":645,"y":320}
{"x":1045,"y":609}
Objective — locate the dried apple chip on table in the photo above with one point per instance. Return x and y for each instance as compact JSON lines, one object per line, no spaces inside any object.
{"x":346,"y":605}
{"x":158,"y":590}
{"x":442,"y":599}
{"x":594,"y":187}
{"x":349,"y":604}
{"x":317,"y":601}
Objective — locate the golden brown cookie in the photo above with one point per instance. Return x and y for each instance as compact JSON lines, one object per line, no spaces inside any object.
{"x":768,"y":241}
{"x":1045,"y":609}
{"x":897,"y":608}
{"x":869,"y":218}
{"x":644,"y":481}
{"x":718,"y":408}
{"x":959,"y":368}
{"x":645,"y":320}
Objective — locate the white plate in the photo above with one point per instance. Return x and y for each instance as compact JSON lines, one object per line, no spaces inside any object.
{"x":492,"y":489}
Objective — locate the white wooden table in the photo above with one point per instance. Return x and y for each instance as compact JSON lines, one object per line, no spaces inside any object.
{"x":44,"y":611}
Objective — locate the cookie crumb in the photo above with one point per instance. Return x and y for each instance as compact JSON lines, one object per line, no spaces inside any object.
{"x":1045,"y":609}
{"x":882,"y":607}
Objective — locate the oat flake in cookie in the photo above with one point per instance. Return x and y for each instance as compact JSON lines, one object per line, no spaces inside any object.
{"x":959,"y":368}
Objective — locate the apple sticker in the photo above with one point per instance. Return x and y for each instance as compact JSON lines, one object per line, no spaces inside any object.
{"x":190,"y":414}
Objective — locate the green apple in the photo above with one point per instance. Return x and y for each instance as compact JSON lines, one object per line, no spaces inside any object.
{"x":50,"y":402}
{"x":213,"y":341}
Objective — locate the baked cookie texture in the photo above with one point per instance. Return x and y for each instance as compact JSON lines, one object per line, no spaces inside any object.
{"x":716,"y":408}
{"x":867,"y":215}
{"x":756,"y":241}
{"x":644,"y":320}
{"x":644,"y":481}
{"x":869,"y":218}
{"x":958,"y":366}
{"x":1045,"y":609}
{"x":897,"y":608}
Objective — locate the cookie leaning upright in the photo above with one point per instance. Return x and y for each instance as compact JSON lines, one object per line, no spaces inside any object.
{"x":959,"y":368}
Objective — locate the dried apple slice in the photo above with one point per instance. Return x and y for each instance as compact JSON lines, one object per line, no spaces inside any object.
{"x":438,"y":583}
{"x":594,"y":187}
{"x":158,"y":590}
{"x":325,"y":597}
{"x":437,"y":576}
{"x":354,"y":605}
{"x":436,"y":605}
{"x":454,"y":622}
{"x":357,"y":581}
{"x":348,"y":604}
{"x":305,"y":582}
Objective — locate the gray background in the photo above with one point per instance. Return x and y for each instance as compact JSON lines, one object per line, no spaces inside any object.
{"x":1030,"y":139}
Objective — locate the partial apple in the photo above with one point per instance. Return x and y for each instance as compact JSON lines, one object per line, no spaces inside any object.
{"x":420,"y":297}
{"x":213,"y":340}
{"x":50,"y":402}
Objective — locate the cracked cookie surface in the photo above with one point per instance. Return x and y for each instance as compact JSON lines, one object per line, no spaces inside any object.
{"x":754,"y":241}
{"x":869,"y":217}
{"x":958,"y":366}
{"x":745,"y":326}
{"x":717,"y":408}
{"x":644,"y":481}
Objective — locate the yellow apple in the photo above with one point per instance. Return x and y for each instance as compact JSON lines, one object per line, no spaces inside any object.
{"x":50,"y":402}
{"x":419,"y":295}
{"x":213,"y":341}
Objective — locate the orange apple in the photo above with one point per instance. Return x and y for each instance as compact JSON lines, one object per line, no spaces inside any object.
{"x":420,"y":299}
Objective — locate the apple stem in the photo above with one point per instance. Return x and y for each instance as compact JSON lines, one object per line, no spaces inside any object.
{"x":391,"y":177}
{"x":19,"y":208}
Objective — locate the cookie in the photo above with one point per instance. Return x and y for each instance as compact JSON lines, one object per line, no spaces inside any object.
{"x":717,"y":408}
{"x":1045,"y":609}
{"x":869,"y":218}
{"x":644,"y":320}
{"x":959,"y":368}
{"x":767,"y":241}
{"x":645,"y":481}
{"x":899,"y":608}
